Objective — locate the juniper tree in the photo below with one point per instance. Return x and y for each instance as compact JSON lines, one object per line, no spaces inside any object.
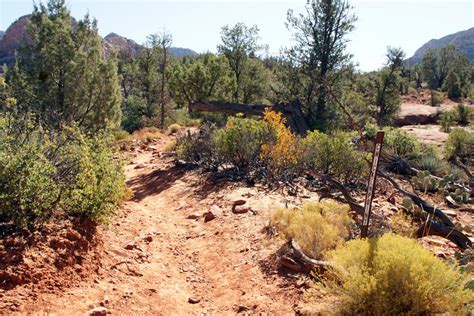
{"x":320,"y":50}
{"x":239,"y":44}
{"x":61,"y":74}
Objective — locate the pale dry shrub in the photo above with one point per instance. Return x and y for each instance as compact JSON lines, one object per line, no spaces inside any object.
{"x":317,"y":227}
{"x":394,"y":275}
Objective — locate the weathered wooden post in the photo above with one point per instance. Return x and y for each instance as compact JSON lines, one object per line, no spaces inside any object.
{"x":371,"y":184}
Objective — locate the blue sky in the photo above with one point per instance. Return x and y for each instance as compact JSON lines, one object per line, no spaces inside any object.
{"x":196,"y":24}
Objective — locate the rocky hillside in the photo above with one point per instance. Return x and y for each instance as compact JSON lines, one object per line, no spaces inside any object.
{"x":464,"y":41}
{"x":16,"y":33}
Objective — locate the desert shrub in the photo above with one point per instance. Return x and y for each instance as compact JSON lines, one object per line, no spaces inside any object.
{"x":121,"y":135}
{"x":28,"y":192}
{"x":174,"y":128}
{"x":447,"y":120}
{"x":317,"y":227}
{"x":198,"y":148}
{"x":437,"y":98}
{"x":430,"y":160}
{"x":463,"y":114}
{"x":240,"y":141}
{"x":460,"y":144}
{"x":47,"y":172}
{"x":282,"y":150}
{"x":334,"y":154}
{"x":182,"y":117}
{"x":148,"y":134}
{"x":133,"y":110}
{"x":170,"y":146}
{"x":97,"y":184}
{"x":402,"y":224}
{"x":394,"y":275}
{"x":371,"y":131}
{"x":401,"y":144}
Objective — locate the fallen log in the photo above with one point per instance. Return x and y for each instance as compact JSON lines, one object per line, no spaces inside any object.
{"x":292,"y":257}
{"x":291,"y":111}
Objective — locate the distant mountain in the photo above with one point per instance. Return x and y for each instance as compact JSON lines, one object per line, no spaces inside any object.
{"x":11,"y":39}
{"x":16,"y":33}
{"x":464,"y":42}
{"x":181,"y":52}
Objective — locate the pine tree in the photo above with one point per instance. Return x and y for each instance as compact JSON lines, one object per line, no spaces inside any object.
{"x":61,"y":74}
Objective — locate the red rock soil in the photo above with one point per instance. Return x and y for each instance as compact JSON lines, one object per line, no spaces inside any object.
{"x":160,"y":257}
{"x":153,"y":259}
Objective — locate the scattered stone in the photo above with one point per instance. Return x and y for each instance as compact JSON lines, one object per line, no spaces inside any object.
{"x":105,"y":302}
{"x":242,"y":308}
{"x":149,"y":238}
{"x":130,"y":246}
{"x":240,"y":209}
{"x":140,"y":166}
{"x":239,"y":202}
{"x":392,"y":200}
{"x":193,"y":216}
{"x":98,"y":311}
{"x":193,"y":300}
{"x":209,"y":216}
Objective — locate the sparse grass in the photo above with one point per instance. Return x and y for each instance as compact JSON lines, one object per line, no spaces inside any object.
{"x":317,"y":227}
{"x":402,"y":224}
{"x":148,"y":134}
{"x":394,"y":275}
{"x":174,"y":128}
{"x":170,"y":146}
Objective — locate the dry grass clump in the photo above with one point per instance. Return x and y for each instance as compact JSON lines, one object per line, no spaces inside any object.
{"x":148,"y":134}
{"x":174,"y":128}
{"x":317,"y":227}
{"x":394,"y":275}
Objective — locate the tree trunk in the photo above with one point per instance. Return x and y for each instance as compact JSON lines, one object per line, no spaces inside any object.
{"x":291,"y":111}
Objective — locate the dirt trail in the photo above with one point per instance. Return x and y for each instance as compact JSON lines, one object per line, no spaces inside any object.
{"x":155,"y":260}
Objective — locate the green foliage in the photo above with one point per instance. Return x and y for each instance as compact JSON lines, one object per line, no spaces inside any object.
{"x":460,"y":144}
{"x":317,"y":227}
{"x":133,"y":112}
{"x":447,"y":119}
{"x":330,"y":154}
{"x":437,"y":98}
{"x":463,"y":114}
{"x":394,"y":275}
{"x":199,"y":148}
{"x":203,"y":78}
{"x":430,"y":161}
{"x":43,"y":173}
{"x":240,"y":142}
{"x":388,"y":95}
{"x":239,"y":44}
{"x":60,"y":73}
{"x":401,"y":144}
{"x":320,"y":52}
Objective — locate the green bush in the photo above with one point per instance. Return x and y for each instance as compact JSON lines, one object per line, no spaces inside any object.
{"x":430,"y":161}
{"x":401,"y":144}
{"x":447,"y":120}
{"x":335,"y":154}
{"x":394,"y":275}
{"x":98,"y":183}
{"x":463,"y":114}
{"x":240,"y":141}
{"x":317,"y":227}
{"x":28,"y":192}
{"x":437,"y":98}
{"x":43,"y":173}
{"x":460,"y":144}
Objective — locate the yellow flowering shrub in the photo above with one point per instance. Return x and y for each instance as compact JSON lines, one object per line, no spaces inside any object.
{"x":282,"y":151}
{"x":317,"y":227}
{"x":394,"y":275}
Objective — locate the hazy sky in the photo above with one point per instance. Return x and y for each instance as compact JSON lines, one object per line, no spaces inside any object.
{"x":196,"y":24}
